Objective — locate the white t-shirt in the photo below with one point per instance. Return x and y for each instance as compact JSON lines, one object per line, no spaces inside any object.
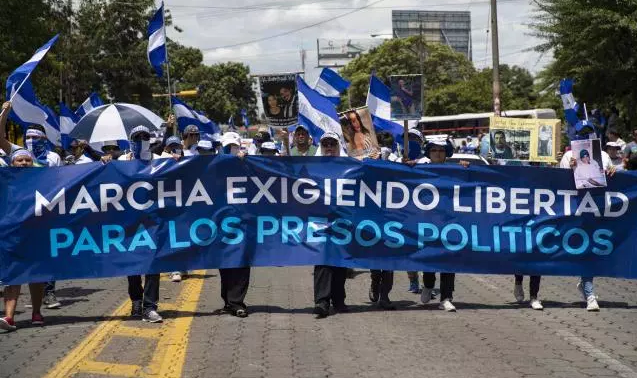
{"x":52,"y":158}
{"x":566,"y":160}
{"x":192,"y":151}
{"x":84,"y":160}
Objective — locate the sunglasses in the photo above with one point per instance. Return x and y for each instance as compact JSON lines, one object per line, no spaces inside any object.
{"x":140,"y":137}
{"x":329,"y":143}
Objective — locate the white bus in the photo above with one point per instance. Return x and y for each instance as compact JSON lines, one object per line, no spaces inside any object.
{"x":472,"y":124}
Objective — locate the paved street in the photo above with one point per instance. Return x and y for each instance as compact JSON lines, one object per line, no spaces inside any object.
{"x":489,"y":336}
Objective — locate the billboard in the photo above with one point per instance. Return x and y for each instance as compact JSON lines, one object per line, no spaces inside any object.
{"x":339,"y":52}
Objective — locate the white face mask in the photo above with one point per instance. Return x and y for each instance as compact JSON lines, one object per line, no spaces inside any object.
{"x":141,"y":150}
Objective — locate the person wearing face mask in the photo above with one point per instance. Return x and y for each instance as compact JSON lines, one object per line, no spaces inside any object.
{"x":437,"y":151}
{"x":205,"y":147}
{"x":144,"y":299}
{"x":173,"y":148}
{"x":268,"y":149}
{"x":234,"y":281}
{"x":36,"y":143}
{"x":21,"y":158}
{"x":585,"y":130}
{"x":329,"y":281}
{"x":259,"y":138}
{"x":191,"y":138}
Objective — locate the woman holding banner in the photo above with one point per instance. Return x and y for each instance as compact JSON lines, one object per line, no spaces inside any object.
{"x":22,"y":158}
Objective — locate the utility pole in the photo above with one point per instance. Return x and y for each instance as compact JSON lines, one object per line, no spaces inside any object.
{"x":303,"y":60}
{"x":496,"y":58}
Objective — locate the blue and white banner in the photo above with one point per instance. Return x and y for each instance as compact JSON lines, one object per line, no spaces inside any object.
{"x":125,"y":218}
{"x":26,"y":110}
{"x":330,"y":84}
{"x":570,"y":106}
{"x":316,"y":112}
{"x":378,"y":102}
{"x":157,"y":53}
{"x":185,"y":116}
{"x":92,"y":102}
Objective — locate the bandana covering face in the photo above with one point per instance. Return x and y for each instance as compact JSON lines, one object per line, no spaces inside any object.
{"x":141,"y":150}
{"x":414,"y":150}
{"x":37,"y":146}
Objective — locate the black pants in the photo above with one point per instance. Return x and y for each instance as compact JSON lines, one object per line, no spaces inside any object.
{"x":384,"y":280}
{"x":234,"y":287}
{"x":447,"y":283}
{"x":49,"y":287}
{"x":149,"y":294}
{"x":534,"y":284}
{"x":329,"y":284}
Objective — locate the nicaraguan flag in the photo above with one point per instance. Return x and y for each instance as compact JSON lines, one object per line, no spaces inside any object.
{"x":244,"y":118}
{"x":20,"y":73}
{"x":187,"y":116}
{"x":316,"y":112}
{"x":331,"y":85}
{"x":92,"y":102}
{"x":157,"y":41}
{"x":68,"y":120}
{"x":378,"y":103}
{"x":26,"y":110}
{"x":570,"y":106}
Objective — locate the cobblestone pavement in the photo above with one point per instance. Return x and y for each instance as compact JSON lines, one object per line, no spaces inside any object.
{"x":489,"y":336}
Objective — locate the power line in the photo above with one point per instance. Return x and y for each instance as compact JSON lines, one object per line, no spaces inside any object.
{"x":294,"y":30}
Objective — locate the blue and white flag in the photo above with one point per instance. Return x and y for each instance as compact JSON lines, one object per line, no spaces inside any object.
{"x":26,"y":110}
{"x":331,"y":85}
{"x":20,"y":74}
{"x":244,"y":118}
{"x":187,"y":116}
{"x":316,"y":112}
{"x":378,"y":103}
{"x":570,"y":106}
{"x":68,"y":120}
{"x":92,"y":102}
{"x":157,"y":54}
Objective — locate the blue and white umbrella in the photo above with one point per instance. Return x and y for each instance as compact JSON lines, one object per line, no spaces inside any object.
{"x":114,"y":122}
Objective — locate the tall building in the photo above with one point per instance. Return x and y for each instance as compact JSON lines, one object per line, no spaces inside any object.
{"x":452,"y":28}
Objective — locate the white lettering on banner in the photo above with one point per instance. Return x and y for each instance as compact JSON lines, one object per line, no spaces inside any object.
{"x":342,"y":192}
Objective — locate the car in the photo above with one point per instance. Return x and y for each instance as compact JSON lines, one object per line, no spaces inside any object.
{"x":471,"y":158}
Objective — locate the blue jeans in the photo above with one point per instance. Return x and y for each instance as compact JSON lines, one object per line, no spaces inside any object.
{"x":587,"y":285}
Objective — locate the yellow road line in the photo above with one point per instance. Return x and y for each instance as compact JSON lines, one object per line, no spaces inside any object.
{"x":169,"y":355}
{"x":120,"y":370}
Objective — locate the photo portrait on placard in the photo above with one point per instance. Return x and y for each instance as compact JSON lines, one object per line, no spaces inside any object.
{"x":589,"y":169}
{"x":545,"y":141}
{"x":280,"y":99}
{"x":510,"y":144}
{"x":406,"y":96}
{"x":358,"y":131}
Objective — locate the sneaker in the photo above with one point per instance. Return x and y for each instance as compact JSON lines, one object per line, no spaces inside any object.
{"x":518,"y":293}
{"x":591,"y":304}
{"x":152,"y":316}
{"x":425,"y":296}
{"x":240,"y":313}
{"x":37,"y":319}
{"x":414,"y":287}
{"x":175,"y":277}
{"x":447,"y":306}
{"x":536,"y":304}
{"x":51,"y":301}
{"x":136,"y":309}
{"x":7,"y":324}
{"x":373,"y":293}
{"x":580,"y":288}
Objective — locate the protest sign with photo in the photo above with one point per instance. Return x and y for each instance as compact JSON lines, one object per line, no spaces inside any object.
{"x":524,"y":139}
{"x":589,"y":169}
{"x":280,"y":100}
{"x":406,"y":96}
{"x":359,"y":134}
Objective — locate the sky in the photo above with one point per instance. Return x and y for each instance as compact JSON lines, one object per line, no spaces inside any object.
{"x":239,"y":30}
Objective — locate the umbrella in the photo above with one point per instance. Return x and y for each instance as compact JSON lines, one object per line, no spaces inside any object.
{"x":114,"y":122}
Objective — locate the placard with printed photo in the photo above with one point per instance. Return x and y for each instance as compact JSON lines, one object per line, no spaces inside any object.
{"x":589,"y":168}
{"x":359,"y":135}
{"x":406,"y":97}
{"x":280,"y":99}
{"x":524,"y":139}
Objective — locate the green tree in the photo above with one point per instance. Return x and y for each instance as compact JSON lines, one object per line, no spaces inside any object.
{"x":594,"y":42}
{"x":442,"y":66}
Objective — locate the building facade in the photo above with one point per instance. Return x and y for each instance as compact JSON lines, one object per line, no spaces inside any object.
{"x":452,"y":28}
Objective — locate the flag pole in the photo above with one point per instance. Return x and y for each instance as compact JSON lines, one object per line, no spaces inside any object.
{"x":170,"y":100}
{"x":19,"y":87}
